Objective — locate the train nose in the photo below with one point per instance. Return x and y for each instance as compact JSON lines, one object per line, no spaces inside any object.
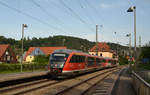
{"x":56,"y":70}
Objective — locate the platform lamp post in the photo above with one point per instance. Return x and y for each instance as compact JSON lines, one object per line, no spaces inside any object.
{"x":130,"y":55}
{"x":133,"y":9}
{"x":23,"y":27}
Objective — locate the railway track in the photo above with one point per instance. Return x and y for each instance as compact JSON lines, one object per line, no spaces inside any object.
{"x":83,"y":87}
{"x":74,"y":86}
{"x":27,"y":87}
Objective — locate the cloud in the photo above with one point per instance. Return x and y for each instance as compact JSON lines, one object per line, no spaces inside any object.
{"x":105,"y":6}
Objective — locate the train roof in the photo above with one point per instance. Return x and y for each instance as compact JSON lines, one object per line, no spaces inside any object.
{"x":68,"y":51}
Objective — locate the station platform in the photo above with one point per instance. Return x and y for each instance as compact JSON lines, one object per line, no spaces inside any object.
{"x":124,"y":84}
{"x":15,"y":76}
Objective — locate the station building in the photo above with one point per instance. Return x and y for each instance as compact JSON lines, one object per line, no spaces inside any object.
{"x":103,"y":50}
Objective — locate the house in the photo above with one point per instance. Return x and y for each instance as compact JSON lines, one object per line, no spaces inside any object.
{"x":34,"y":51}
{"x":6,"y":54}
{"x":103,"y":50}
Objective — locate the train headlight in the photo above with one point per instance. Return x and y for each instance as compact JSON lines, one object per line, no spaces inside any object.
{"x":61,"y":65}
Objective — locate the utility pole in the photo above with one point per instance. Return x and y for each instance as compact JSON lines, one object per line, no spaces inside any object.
{"x":139,"y":45}
{"x":140,"y":42}
{"x":97,"y":40}
{"x":134,"y":10}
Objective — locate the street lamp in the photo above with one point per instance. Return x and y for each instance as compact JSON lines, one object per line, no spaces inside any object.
{"x":64,"y":42}
{"x":23,"y":26}
{"x":133,"y":9}
{"x":129,"y":35}
{"x":116,"y":44}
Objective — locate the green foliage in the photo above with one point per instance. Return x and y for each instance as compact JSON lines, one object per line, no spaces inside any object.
{"x":145,"y":51}
{"x":41,"y":59}
{"x":68,"y":41}
{"x":144,"y":66}
{"x":5,"y":68}
{"x":123,"y":60}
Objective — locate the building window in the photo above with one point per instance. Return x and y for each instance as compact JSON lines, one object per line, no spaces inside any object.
{"x":37,"y":51}
{"x":101,"y":54}
{"x":6,"y":52}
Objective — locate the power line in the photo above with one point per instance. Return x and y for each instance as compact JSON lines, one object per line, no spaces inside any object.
{"x":44,"y":10}
{"x":93,"y":8}
{"x":87,"y":15}
{"x":75,"y":14}
{"x":58,"y":6}
{"x":30,"y":16}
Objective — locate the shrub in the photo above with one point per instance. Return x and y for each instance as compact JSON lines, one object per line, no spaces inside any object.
{"x":123,"y":60}
{"x":26,"y":67}
{"x":41,"y":59}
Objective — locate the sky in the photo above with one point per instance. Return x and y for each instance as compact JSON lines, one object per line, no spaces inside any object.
{"x":76,"y":18}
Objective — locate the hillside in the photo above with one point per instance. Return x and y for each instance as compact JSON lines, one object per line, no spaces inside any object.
{"x":68,"y":41}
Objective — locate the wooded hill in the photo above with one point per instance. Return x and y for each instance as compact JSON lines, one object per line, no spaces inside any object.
{"x":68,"y":41}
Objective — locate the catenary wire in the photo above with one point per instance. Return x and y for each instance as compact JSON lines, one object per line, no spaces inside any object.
{"x":75,"y":14}
{"x":30,"y":16}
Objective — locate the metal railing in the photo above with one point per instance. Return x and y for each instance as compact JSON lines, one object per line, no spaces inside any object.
{"x":141,"y":86}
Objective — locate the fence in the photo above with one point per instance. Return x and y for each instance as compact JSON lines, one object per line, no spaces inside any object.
{"x":141,"y":86}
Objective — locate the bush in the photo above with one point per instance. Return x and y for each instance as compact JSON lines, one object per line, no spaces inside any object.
{"x":144,"y":66}
{"x":41,"y":59}
{"x":26,"y":67}
{"x":123,"y":60}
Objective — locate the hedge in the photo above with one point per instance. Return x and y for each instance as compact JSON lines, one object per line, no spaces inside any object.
{"x":4,"y":67}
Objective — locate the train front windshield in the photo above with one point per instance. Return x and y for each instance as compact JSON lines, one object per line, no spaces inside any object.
{"x":57,"y":60}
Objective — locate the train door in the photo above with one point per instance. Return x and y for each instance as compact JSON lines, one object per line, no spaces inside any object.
{"x":90,"y":61}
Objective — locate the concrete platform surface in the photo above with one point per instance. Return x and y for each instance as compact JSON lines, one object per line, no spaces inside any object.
{"x":124,"y":85}
{"x":14,"y":76}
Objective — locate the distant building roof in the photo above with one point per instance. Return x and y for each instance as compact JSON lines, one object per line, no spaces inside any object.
{"x":46,"y":50}
{"x":6,"y":54}
{"x":3,"y":49}
{"x":101,"y":47}
{"x":49,"y":50}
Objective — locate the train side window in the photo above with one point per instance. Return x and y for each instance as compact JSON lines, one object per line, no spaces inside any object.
{"x":103,"y":60}
{"x":109,"y":61}
{"x":82,"y":59}
{"x":90,"y":61}
{"x":114,"y":61}
{"x":77,"y":59}
{"x":98,"y":61}
{"x":73,"y":59}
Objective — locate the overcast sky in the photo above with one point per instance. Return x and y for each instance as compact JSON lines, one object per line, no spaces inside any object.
{"x":76,"y":18}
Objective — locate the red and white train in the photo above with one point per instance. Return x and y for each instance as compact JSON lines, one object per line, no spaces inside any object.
{"x":70,"y":62}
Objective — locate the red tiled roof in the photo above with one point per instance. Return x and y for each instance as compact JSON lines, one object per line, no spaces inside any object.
{"x":29,"y":51}
{"x":46,"y":50}
{"x":49,"y":50}
{"x":102,"y":47}
{"x":3,"y":48}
